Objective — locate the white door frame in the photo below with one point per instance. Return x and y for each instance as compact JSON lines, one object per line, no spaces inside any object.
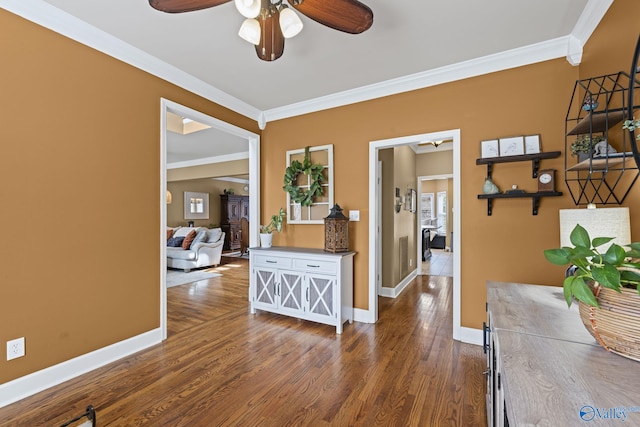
{"x":371,"y":315}
{"x":254,"y":185}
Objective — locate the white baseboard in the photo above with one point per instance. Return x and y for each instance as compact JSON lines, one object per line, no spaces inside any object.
{"x":364,"y":316}
{"x":35,"y":382}
{"x":397,"y":290}
{"x":471,"y":336}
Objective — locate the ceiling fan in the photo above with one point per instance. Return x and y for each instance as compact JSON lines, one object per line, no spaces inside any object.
{"x":269,"y":22}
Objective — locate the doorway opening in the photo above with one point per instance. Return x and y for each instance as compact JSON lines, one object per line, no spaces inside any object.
{"x":168,"y":107}
{"x":375,"y":225}
{"x":435,"y":230}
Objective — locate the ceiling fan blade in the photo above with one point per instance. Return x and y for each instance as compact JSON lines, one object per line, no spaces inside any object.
{"x":179,"y":6}
{"x":349,"y":16}
{"x":271,"y":45}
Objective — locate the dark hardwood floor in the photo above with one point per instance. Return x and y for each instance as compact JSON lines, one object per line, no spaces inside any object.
{"x":222,"y":366}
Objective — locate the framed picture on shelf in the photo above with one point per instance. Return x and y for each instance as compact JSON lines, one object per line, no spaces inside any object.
{"x":489,"y":149}
{"x":532,"y":144}
{"x":512,"y":146}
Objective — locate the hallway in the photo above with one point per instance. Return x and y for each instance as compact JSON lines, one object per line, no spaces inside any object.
{"x":439,"y":264}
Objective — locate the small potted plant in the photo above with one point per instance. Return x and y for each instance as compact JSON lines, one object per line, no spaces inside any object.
{"x":606,"y":286}
{"x":266,"y":231}
{"x":582,"y":147}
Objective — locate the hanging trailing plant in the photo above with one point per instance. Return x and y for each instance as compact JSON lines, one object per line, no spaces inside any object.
{"x":298,"y":194}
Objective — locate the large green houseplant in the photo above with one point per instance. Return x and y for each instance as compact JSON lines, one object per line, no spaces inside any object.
{"x":612,"y":269}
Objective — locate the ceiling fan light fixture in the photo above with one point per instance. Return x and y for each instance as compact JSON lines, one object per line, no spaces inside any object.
{"x":290,"y":23}
{"x":248,"y":8}
{"x":250,"y":31}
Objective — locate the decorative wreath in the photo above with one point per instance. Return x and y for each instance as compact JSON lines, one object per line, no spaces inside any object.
{"x":297,"y":194}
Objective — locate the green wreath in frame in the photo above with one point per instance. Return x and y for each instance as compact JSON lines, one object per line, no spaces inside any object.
{"x":293,"y":171}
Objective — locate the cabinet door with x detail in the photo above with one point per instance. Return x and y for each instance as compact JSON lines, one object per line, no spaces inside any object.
{"x":291,"y":292}
{"x":265,"y":288}
{"x":321,"y":296}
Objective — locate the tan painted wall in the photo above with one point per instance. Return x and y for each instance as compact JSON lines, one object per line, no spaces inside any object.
{"x":80,"y":170}
{"x":404,"y":159}
{"x":96,"y":185}
{"x":507,"y":246}
{"x":388,"y":218}
{"x":175,"y":211}
{"x":436,"y":163}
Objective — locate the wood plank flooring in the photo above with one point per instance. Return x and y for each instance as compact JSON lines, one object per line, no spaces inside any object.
{"x":222,"y":366}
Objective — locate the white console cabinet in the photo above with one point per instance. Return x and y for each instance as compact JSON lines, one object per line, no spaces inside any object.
{"x":309,"y":284}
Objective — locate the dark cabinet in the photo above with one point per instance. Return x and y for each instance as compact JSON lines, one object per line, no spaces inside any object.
{"x":233,"y":209}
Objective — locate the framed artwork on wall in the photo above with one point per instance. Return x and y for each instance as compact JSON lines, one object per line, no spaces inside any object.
{"x":513,"y":146}
{"x":532,"y":144}
{"x":196,"y":205}
{"x":489,"y":148}
{"x":412,"y":200}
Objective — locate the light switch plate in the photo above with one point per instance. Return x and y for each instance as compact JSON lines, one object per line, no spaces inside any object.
{"x":354,"y":215}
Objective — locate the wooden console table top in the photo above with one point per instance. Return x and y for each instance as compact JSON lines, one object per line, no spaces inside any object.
{"x":552,"y":370}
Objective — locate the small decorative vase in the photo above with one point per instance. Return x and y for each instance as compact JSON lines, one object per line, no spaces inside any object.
{"x":489,"y":187}
{"x":266,"y":239}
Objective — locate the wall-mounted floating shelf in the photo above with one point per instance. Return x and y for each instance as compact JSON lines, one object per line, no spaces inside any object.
{"x":535,"y":167}
{"x":534,"y":158}
{"x":535,"y":199}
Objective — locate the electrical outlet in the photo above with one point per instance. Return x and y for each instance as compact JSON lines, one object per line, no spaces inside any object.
{"x":354,"y":215}
{"x":410,"y":262}
{"x":15,"y":348}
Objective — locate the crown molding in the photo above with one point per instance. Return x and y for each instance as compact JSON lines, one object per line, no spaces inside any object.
{"x":209,"y":160}
{"x":552,"y":49}
{"x":48,"y":16}
{"x":591,"y":16}
{"x":570,"y":46}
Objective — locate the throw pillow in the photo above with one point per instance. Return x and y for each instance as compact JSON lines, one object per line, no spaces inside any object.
{"x":169,"y":233}
{"x":186,"y":243}
{"x":175,"y":242}
{"x":201,"y":236}
{"x":183,"y":231}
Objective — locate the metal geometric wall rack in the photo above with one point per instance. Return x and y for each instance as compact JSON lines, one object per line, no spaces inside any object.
{"x":597,"y":108}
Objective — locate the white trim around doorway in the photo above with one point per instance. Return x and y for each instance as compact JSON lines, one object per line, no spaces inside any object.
{"x":371,"y":315}
{"x":254,"y":185}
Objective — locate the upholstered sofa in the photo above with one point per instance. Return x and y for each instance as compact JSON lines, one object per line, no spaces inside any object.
{"x":193,"y":247}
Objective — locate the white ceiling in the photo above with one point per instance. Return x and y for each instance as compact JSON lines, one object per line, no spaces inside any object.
{"x":412,"y":44}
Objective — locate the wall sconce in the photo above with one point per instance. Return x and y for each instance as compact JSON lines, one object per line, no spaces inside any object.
{"x":169,"y":197}
{"x":399,"y":200}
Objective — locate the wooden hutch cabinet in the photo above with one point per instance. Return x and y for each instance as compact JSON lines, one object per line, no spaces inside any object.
{"x":233,"y":209}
